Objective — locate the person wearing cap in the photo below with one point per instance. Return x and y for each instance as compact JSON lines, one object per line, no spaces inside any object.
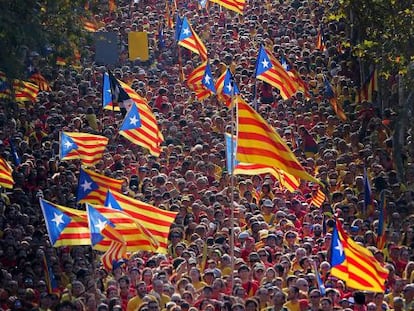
{"x":267,"y":212}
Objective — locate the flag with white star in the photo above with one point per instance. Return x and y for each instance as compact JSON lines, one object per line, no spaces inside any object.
{"x":132,"y":119}
{"x":66,"y":145}
{"x":230,"y":87}
{"x":102,"y":228}
{"x":201,"y":81}
{"x":270,"y":70}
{"x":148,"y":134}
{"x":64,"y":229}
{"x":89,"y":148}
{"x":97,"y":224}
{"x":355,"y":264}
{"x":337,"y":249}
{"x":189,"y":39}
{"x":226,"y":88}
{"x":153,"y":220}
{"x":207,"y":80}
{"x":92,"y":187}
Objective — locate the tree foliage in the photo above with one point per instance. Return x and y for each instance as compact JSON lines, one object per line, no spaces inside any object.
{"x":49,"y":28}
{"x":382,"y":31}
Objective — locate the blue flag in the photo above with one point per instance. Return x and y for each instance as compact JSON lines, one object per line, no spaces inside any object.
{"x":132,"y":119}
{"x":230,"y":88}
{"x":106,"y":91}
{"x":15,"y":155}
{"x":229,"y":163}
{"x":56,"y":221}
{"x":86,"y":185}
{"x":97,"y":223}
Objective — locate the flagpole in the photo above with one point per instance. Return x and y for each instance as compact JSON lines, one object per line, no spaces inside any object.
{"x":232,"y":161}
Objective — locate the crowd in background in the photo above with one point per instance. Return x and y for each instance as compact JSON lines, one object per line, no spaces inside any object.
{"x":281,"y":239}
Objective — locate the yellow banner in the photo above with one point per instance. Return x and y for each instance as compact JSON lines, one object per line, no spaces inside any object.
{"x":138,"y":45}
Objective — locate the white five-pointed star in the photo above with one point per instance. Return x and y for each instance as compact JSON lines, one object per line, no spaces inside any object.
{"x":207,"y":79}
{"x":265,"y":63}
{"x":68,"y":144}
{"x":186,"y":31}
{"x":109,"y":205}
{"x":339,"y":248}
{"x":86,"y":186}
{"x":100,"y":225}
{"x":229,"y":87}
{"x":285,"y":66}
{"x":133,"y":120}
{"x":58,"y":219}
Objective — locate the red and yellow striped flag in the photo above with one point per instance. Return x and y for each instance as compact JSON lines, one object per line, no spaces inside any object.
{"x":270,"y":70}
{"x":355,"y":264}
{"x":153,"y":219}
{"x":148,"y":135}
{"x":89,"y":148}
{"x":60,"y":61}
{"x":92,"y":186}
{"x":132,"y":233}
{"x":368,"y":88}
{"x":25,"y":91}
{"x":40,"y":81}
{"x":6,"y":178}
{"x":318,"y":198}
{"x":65,"y":229}
{"x":259,"y":143}
{"x":233,"y":5}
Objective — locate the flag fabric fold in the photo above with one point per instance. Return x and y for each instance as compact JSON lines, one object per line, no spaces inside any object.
{"x":89,"y":148}
{"x":270,"y":70}
{"x":320,"y":41}
{"x":92,"y":186}
{"x":233,"y":5}
{"x":189,"y":39}
{"x":368,"y":201}
{"x":367,"y":90}
{"x":355,"y":264}
{"x":294,"y":74}
{"x":286,"y":181}
{"x":259,"y":143}
{"x":64,"y":229}
{"x":148,"y":135}
{"x":382,"y":222}
{"x":226,"y":88}
{"x":331,"y":97}
{"x":201,"y":81}
{"x":101,"y":228}
{"x":107,"y":103}
{"x":40,"y":81}
{"x":133,"y":234}
{"x":153,"y":219}
{"x":6,"y":177}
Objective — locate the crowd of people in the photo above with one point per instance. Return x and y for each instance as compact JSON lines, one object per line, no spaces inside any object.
{"x":281,"y":238}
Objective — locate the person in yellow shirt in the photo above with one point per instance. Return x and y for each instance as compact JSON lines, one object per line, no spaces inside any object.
{"x":137,"y":300}
{"x":292,"y":303}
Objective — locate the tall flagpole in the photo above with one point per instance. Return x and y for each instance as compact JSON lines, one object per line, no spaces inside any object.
{"x":232,"y":161}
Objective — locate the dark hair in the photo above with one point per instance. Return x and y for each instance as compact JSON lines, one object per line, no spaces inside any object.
{"x":359,"y":298}
{"x":64,"y":305}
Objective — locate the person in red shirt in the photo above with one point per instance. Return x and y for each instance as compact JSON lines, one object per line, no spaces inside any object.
{"x":250,"y":286}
